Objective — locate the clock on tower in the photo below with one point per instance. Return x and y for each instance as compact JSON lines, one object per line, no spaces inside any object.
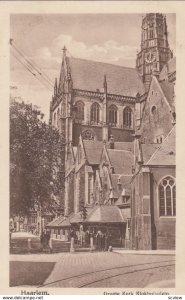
{"x":155,"y":51}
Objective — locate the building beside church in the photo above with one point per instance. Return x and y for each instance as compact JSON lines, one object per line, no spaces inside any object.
{"x":118,"y":124}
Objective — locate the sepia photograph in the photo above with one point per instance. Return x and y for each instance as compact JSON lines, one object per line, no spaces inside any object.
{"x":92,"y":201}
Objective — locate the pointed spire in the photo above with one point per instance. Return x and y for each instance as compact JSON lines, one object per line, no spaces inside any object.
{"x":105,"y":83}
{"x":64,"y":50}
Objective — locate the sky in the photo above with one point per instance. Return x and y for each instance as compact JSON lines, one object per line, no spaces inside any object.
{"x":111,"y":38}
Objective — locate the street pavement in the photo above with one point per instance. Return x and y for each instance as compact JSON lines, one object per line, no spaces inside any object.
{"x":111,"y":269}
{"x":118,"y":269}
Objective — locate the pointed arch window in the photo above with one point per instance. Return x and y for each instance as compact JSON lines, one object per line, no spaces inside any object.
{"x":167,"y":197}
{"x":127,"y":118}
{"x":113,"y":115}
{"x":79,"y":116}
{"x":95,"y":113}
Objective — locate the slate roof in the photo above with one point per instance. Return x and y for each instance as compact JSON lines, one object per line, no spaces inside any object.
{"x":93,"y":150}
{"x":165,"y":154}
{"x":56,"y":222}
{"x":77,"y":218}
{"x":128,"y":146}
{"x":89,"y":75}
{"x":148,"y":150}
{"x":105,"y":214}
{"x":122,"y":161}
{"x":168,"y":90}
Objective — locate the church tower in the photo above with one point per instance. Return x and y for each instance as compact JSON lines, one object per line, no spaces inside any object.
{"x":155,"y":51}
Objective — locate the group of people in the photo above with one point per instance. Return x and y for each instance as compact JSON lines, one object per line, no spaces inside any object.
{"x":101,"y":240}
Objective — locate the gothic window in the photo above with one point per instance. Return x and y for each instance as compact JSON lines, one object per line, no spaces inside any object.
{"x":127,"y":117}
{"x":151,"y":33}
{"x":87,"y":135}
{"x":95,"y":113}
{"x":167,"y":197}
{"x":113,"y":114}
{"x":79,"y":111}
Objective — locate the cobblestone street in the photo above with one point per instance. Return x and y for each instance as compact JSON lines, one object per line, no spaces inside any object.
{"x":111,"y":270}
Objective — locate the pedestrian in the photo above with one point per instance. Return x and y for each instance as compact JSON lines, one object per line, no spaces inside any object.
{"x":99,"y":239}
{"x":42,"y":239}
{"x":87,"y":238}
{"x":47,"y":237}
{"x":106,"y":241}
{"x":102,"y":242}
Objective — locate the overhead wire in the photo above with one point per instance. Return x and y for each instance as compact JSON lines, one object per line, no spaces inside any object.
{"x":31,"y":71}
{"x":30,"y":62}
{"x":31,"y":65}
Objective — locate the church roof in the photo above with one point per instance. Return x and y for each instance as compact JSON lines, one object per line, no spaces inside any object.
{"x":121,"y":161}
{"x":128,"y":146}
{"x":93,"y":150}
{"x":168,"y":91}
{"x":56,"y":222}
{"x":105,"y":214}
{"x":148,"y":150}
{"x":88,"y":75}
{"x":165,"y":154}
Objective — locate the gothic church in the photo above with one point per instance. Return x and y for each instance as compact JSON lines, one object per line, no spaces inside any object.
{"x":118,"y":124}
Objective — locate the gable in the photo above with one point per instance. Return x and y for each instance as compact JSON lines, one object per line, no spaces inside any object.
{"x":157,"y":117}
{"x":104,"y":160}
{"x":93,"y":150}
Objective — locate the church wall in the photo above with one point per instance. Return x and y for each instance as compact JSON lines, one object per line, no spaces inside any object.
{"x":121,"y":135}
{"x":163,"y":227}
{"x":157,"y":119}
{"x":161,"y":230}
{"x":78,"y":129}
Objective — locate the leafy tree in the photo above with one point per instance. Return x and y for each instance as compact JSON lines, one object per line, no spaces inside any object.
{"x":36,"y":159}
